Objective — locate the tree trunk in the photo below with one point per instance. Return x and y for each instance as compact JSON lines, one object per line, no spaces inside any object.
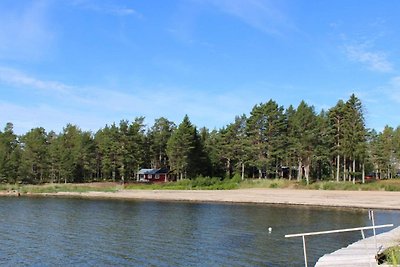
{"x":299,"y":171}
{"x":344,"y":169}
{"x":363,"y":173}
{"x":354,"y":170}
{"x":228,"y":168}
{"x":242,"y":171}
{"x":337,"y":168}
{"x":307,"y":171}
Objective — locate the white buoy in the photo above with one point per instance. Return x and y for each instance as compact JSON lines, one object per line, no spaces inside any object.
{"x":269,"y":229}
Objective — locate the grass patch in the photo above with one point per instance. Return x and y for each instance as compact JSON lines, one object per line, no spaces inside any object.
{"x":54,"y":188}
{"x":207,"y":183}
{"x":268,"y":183}
{"x":380,"y":185}
{"x":390,"y":256}
{"x":9,"y":187}
{"x":200,"y":183}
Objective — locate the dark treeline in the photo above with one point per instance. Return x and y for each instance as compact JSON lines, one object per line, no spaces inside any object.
{"x":272,"y":142}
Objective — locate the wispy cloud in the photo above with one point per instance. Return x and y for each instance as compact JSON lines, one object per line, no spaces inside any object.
{"x":262,"y":15}
{"x":93,"y":107}
{"x":373,"y":60}
{"x":25,"y":117}
{"x":25,"y":32}
{"x":20,"y":79}
{"x":111,"y":9}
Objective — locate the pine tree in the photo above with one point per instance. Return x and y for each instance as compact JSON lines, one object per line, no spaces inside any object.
{"x":385,"y":152}
{"x":137,"y":151}
{"x":71,"y":145}
{"x":35,"y":165}
{"x":266,"y":129}
{"x":396,"y":143}
{"x":305,"y":129}
{"x":213,"y":146}
{"x":354,"y":133}
{"x":322,"y":155}
{"x":180,"y":147}
{"x":290,"y":153}
{"x":336,"y":119}
{"x":9,"y":154}
{"x":87,"y":156}
{"x":55,"y":157}
{"x":234,"y":146}
{"x":158,"y":137}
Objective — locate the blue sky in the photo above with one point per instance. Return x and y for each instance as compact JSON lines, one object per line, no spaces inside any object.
{"x":91,"y":62}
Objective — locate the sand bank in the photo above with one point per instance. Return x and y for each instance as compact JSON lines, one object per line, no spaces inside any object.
{"x":344,"y":199}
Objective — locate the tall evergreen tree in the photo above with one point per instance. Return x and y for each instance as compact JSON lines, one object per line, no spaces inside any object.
{"x":35,"y":159}
{"x":234,"y":146}
{"x":88,"y":156}
{"x":9,"y":154}
{"x":385,"y":152}
{"x":158,"y":137}
{"x":213,"y":146}
{"x":336,"y":119}
{"x":55,"y":157}
{"x":290,"y":153}
{"x":354,"y":133}
{"x":305,"y":128}
{"x":71,"y":145}
{"x":322,"y":155}
{"x":266,"y":129}
{"x":137,"y":150}
{"x":180,"y":147}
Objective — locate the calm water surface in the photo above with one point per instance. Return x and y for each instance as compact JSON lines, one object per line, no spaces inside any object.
{"x":78,"y":232}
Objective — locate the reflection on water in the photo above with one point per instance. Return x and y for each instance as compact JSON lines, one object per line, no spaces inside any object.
{"x":76,"y":232}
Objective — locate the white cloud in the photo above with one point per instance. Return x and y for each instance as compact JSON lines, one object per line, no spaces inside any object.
{"x":24,"y":32}
{"x":262,"y":15}
{"x":20,"y":79}
{"x":374,"y":60}
{"x":25,"y":117}
{"x":92,"y":107}
{"x":110,"y":9}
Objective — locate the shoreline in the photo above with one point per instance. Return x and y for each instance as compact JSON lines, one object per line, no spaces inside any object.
{"x":316,"y":198}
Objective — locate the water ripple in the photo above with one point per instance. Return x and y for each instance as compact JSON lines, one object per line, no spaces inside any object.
{"x":73,"y":232}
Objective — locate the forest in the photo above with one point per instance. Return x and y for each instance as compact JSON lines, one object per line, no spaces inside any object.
{"x":271,"y":142}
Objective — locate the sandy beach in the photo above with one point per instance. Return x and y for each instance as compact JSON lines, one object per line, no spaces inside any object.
{"x":343,"y":199}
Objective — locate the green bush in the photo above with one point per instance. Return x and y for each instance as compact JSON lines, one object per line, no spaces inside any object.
{"x":390,"y":255}
{"x":273,"y":185}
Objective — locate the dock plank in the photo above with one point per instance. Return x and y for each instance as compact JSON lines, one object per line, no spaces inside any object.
{"x":361,"y":253}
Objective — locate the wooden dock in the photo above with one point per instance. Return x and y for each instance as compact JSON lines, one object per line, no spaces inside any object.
{"x":361,"y":253}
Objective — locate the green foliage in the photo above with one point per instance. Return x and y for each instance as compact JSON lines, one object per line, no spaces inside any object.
{"x":266,"y":129}
{"x":270,"y":143}
{"x":205,"y":183}
{"x":158,"y":137}
{"x":268,"y":183}
{"x":199,"y":183}
{"x":391,"y":255}
{"x":54,"y":188}
{"x":185,"y":151}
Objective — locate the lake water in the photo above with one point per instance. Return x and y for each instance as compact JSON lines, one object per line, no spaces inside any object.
{"x":80,"y":232}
